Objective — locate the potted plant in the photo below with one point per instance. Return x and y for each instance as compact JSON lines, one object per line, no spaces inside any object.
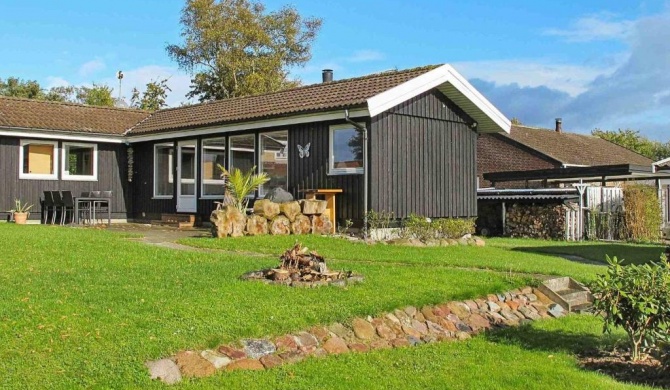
{"x":20,"y":212}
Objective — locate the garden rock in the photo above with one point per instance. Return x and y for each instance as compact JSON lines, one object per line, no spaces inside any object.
{"x":279,"y":195}
{"x":301,"y":225}
{"x":363,"y":329}
{"x":165,"y":370}
{"x":556,"y":310}
{"x":460,"y":309}
{"x":290,"y":209}
{"x":280,"y":226}
{"x":335,"y":346}
{"x":257,"y":225}
{"x":218,"y":360}
{"x":245,"y":364}
{"x":358,"y":347}
{"x":321,"y":224}
{"x":266,"y":208}
{"x":191,"y":364}
{"x":257,"y":348}
{"x":313,"y":206}
{"x":270,"y":361}
{"x":232,"y":353}
{"x":304,"y":339}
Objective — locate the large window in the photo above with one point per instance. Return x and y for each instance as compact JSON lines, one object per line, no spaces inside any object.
{"x":163,"y":171}
{"x":213,"y":155}
{"x":38,"y":160}
{"x":274,"y":160}
{"x":346,"y":150}
{"x":80,"y":161}
{"x":242,"y":152}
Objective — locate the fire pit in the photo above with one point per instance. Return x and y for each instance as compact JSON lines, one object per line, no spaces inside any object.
{"x":301,"y":267}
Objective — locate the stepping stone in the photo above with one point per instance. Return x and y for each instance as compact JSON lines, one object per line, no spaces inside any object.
{"x":164,"y":370}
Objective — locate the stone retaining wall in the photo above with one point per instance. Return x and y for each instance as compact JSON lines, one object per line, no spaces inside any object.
{"x":402,"y":328}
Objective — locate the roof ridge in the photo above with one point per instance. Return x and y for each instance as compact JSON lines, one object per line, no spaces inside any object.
{"x":39,"y":101}
{"x":309,"y":86}
{"x":554,"y":131}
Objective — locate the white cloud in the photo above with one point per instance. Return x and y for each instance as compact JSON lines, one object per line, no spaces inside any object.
{"x":178,"y":82}
{"x":53,"y":81}
{"x":569,"y":78}
{"x":92,"y":67}
{"x":366,"y":56}
{"x":599,"y":27}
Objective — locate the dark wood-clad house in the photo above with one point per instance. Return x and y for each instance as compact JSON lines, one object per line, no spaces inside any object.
{"x":422,"y":126}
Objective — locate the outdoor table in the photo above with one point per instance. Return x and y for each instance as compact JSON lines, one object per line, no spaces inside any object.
{"x":93,"y":201}
{"x":329,"y":195}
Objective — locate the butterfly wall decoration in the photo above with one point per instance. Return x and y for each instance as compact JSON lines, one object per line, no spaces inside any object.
{"x":303,"y":151}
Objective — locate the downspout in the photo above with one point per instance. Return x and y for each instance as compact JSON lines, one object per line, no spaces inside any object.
{"x":364,"y":130}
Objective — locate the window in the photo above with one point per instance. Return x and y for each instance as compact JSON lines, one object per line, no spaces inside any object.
{"x":80,"y":161}
{"x":274,"y":160}
{"x":242,"y":152}
{"x":346,"y":150}
{"x":38,"y":160}
{"x":213,"y":155}
{"x":163,"y":171}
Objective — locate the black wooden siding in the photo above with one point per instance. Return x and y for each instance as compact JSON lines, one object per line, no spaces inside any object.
{"x":423,"y":159}
{"x":112,"y":175}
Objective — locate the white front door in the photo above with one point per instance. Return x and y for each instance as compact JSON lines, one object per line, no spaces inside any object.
{"x":187,"y":202}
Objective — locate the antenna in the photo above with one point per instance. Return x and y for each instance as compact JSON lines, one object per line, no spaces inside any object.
{"x":119,"y":75}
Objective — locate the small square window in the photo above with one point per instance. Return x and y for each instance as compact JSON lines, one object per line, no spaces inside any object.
{"x":80,"y":161}
{"x":346,"y":150}
{"x":38,"y":160}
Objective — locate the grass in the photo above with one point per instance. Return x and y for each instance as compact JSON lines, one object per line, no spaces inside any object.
{"x":85,"y":309}
{"x":498,"y":255}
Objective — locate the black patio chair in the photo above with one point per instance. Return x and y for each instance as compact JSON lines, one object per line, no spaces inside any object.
{"x":47,"y":206}
{"x":85,"y":208}
{"x":68,"y":206}
{"x":103,"y":207}
{"x":58,"y":205}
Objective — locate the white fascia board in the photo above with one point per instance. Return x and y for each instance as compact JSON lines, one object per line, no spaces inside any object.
{"x":277,"y":122}
{"x":432,"y":79}
{"x":56,"y":135}
{"x":661,"y":162}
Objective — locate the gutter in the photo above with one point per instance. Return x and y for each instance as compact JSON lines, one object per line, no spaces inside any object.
{"x":364,"y":130}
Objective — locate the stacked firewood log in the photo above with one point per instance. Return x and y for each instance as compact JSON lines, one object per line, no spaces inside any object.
{"x":296,"y":217}
{"x":545,"y":221}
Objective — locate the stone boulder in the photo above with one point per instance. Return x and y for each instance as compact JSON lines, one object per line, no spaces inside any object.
{"x":321,"y":224}
{"x":301,"y":225}
{"x":257,"y":225}
{"x":228,"y":221}
{"x":266,"y":208}
{"x":313,"y":206}
{"x":279,"y":195}
{"x":280,"y":226}
{"x":290,"y":209}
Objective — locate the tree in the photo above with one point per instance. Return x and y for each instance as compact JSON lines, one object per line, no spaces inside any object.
{"x":234,"y":48}
{"x":153,"y":97}
{"x":633,"y":140}
{"x":516,"y":121}
{"x":97,"y":95}
{"x":16,"y":87}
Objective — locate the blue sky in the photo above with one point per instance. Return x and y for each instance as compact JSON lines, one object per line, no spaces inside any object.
{"x":594,"y":63}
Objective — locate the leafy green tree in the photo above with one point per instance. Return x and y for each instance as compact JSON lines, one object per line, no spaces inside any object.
{"x":235,"y":48}
{"x":97,"y":95}
{"x":633,"y":140}
{"x":153,"y":97}
{"x":16,"y":87}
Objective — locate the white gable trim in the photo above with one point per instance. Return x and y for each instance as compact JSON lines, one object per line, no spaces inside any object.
{"x":62,"y":136}
{"x":455,"y":87}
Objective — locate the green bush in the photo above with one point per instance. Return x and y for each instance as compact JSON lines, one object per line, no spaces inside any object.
{"x":637,"y":299}
{"x":642,"y":213}
{"x":422,"y":228}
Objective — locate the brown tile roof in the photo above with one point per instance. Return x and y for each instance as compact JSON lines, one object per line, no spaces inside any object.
{"x":36,"y":114}
{"x":311,"y":98}
{"x":575,"y":149}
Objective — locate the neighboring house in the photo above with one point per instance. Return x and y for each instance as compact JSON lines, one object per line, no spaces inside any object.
{"x":529,"y":148}
{"x":422,"y":128}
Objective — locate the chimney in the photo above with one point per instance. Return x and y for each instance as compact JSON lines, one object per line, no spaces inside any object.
{"x":327,"y":75}
{"x":559,"y":125}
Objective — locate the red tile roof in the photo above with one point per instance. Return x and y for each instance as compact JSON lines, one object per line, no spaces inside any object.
{"x":43,"y":115}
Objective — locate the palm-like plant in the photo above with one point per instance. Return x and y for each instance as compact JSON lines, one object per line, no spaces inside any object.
{"x":240,"y":184}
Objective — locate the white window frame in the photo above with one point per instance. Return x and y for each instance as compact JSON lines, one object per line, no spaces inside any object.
{"x":331,"y":155}
{"x":262,"y":193}
{"x":202,"y":168}
{"x":170,"y":174}
{"x":65,"y":175}
{"x":38,"y":176}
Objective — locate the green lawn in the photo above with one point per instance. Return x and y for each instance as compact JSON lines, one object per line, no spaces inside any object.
{"x":86,"y":308}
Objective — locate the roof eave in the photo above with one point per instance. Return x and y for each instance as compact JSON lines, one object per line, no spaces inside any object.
{"x":455,"y":87}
